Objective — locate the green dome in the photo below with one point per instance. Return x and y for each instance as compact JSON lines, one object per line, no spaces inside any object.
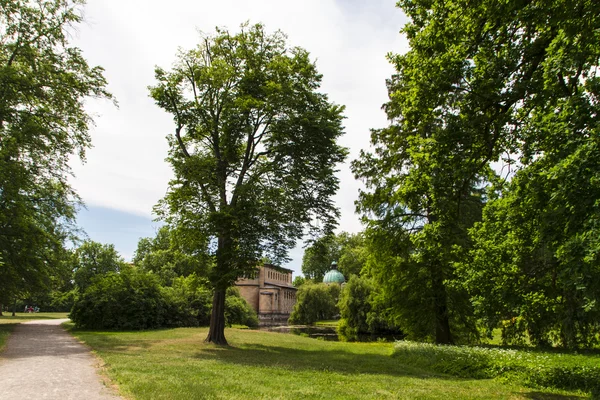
{"x":334,"y":276}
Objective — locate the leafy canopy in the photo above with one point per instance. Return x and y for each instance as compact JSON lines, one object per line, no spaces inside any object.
{"x":43,"y":84}
{"x":508,"y":82}
{"x":253,"y":151}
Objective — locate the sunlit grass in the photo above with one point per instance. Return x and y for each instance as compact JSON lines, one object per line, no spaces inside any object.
{"x":177,"y":364}
{"x":7,"y":318}
{"x":532,"y":367}
{"x":330,"y":323}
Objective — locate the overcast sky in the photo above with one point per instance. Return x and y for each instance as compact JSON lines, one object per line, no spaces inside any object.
{"x":125,"y":173}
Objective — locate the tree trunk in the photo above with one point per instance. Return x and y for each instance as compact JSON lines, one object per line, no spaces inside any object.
{"x":1,"y":307}
{"x":216,"y":333}
{"x":442,"y":320}
{"x":14,"y":313}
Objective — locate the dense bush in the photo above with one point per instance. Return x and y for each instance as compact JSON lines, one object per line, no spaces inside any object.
{"x":355,"y":306}
{"x":314,"y":302}
{"x":126,"y":300}
{"x":134,"y":299}
{"x":362,"y":312}
{"x":188,"y":302}
{"x":536,"y":369}
{"x":238,"y":311}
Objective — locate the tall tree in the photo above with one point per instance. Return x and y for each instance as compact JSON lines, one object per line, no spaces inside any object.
{"x":254,"y":152}
{"x":43,"y":84}
{"x":482,"y":83}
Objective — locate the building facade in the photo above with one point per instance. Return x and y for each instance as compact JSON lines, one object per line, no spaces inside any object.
{"x":271,"y":293}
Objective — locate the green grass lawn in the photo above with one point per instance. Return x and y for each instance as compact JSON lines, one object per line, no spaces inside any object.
{"x":7,"y":318}
{"x":8,"y":322}
{"x":177,"y":364}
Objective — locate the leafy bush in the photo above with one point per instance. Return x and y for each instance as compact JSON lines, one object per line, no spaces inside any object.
{"x":315,"y":302}
{"x":238,"y":311}
{"x":354,"y":306}
{"x":190,"y":300}
{"x":553,"y":370}
{"x":126,"y":300}
{"x":134,"y":299}
{"x":362,"y":312}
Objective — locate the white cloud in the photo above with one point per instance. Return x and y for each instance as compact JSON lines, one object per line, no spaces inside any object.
{"x":126,"y":170}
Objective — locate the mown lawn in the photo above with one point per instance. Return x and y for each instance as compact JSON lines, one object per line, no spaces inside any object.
{"x":177,"y":364}
{"x":8,"y":322}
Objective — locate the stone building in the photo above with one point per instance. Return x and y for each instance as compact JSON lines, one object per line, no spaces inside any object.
{"x":270,"y":293}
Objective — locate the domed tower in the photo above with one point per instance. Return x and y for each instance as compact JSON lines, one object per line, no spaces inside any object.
{"x":333,"y":275}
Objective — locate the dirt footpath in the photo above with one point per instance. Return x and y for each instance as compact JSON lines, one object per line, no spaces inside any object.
{"x":42,"y":361}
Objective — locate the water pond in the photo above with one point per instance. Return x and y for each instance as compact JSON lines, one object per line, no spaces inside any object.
{"x":325,"y":333}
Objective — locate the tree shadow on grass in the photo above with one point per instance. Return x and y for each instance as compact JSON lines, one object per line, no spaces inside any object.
{"x":324,"y":360}
{"x":338,"y":361}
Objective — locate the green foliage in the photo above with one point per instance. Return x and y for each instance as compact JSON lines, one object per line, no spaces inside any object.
{"x":355,"y":306}
{"x":43,"y":84}
{"x":299,"y":281}
{"x":534,"y":270}
{"x":361,"y":310}
{"x":496,"y":82}
{"x":168,"y":257}
{"x":253,"y":152}
{"x":189,"y":301}
{"x":93,"y":259}
{"x":129,"y":300}
{"x":347,"y":249}
{"x":315,"y":302}
{"x":61,"y":301}
{"x":545,"y":370}
{"x":238,"y":311}
{"x":134,"y":299}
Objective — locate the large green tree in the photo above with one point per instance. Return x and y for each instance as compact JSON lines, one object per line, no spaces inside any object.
{"x":254,"y":152}
{"x":482,"y":83}
{"x":43,"y":84}
{"x":534,"y":270}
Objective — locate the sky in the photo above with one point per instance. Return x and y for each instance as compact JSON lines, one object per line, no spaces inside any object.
{"x":125,"y":174}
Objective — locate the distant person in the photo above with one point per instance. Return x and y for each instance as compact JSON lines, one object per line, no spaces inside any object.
{"x":26,"y":307}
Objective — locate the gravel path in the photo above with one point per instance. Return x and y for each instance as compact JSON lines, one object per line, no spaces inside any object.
{"x":42,"y":361}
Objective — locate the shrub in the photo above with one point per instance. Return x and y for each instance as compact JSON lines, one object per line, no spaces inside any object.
{"x":238,"y":311}
{"x":361,"y":312}
{"x":536,"y":369}
{"x":191,"y":301}
{"x":354,"y":305}
{"x":315,"y":301}
{"x":126,"y":300}
{"x":134,"y":300}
